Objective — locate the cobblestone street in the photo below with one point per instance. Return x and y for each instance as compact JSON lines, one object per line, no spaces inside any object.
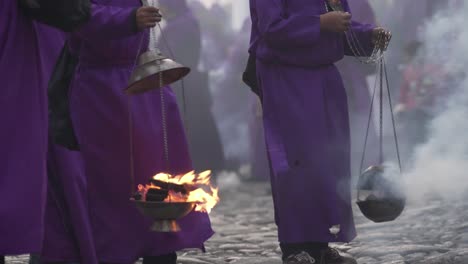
{"x":434,"y":233}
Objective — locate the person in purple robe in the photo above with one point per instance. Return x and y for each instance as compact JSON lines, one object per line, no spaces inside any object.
{"x":97,"y":181}
{"x":181,"y":37}
{"x":354,"y":75}
{"x":305,"y":113}
{"x":27,"y":54}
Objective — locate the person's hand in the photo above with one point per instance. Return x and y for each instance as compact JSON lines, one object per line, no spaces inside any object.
{"x":147,"y":17}
{"x":381,"y":38}
{"x":335,"y":21}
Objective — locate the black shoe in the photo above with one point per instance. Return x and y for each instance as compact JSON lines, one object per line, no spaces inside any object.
{"x":300,"y":258}
{"x":163,"y":259}
{"x":332,"y":256}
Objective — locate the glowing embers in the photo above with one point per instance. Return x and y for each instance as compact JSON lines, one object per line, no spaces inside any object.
{"x":380,"y":197}
{"x":167,"y":198}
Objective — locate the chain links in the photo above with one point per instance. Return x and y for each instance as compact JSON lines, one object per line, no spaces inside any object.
{"x":164,"y":120}
{"x":356,"y":47}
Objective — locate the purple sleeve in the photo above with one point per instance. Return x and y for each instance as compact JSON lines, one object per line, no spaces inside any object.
{"x":363,"y":34}
{"x":109,"y":22}
{"x":282,"y":30}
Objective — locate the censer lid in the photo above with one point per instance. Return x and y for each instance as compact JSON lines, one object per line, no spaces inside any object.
{"x":380,"y":198}
{"x":154,"y":71}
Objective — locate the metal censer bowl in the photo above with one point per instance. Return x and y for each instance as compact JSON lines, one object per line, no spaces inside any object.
{"x":154,"y":71}
{"x":379,"y":198}
{"x":164,"y":214}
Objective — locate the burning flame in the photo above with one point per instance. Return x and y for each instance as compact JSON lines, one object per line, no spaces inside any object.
{"x":198,"y":187}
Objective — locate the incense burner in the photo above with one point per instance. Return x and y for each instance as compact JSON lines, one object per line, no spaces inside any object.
{"x":380,"y":198}
{"x":164,"y":214}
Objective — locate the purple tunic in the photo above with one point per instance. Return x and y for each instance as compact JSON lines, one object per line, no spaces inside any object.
{"x":305,"y":118}
{"x":24,"y":71}
{"x":107,"y":47}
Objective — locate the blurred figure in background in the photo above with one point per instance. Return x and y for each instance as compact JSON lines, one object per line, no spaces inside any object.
{"x":406,"y":71}
{"x":181,"y":37}
{"x":217,"y":36}
{"x":425,"y":86}
{"x":404,"y":19}
{"x":239,"y":112}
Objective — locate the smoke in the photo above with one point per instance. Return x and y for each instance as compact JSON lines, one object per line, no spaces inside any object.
{"x":439,"y":167}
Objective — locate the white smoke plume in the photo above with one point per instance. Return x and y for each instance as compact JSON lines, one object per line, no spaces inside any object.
{"x":440,"y":166}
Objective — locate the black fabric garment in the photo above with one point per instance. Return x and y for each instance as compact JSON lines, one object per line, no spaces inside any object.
{"x":249,"y":76}
{"x":314,"y":249}
{"x":2,"y":259}
{"x":60,"y":124}
{"x":65,"y":15}
{"x":163,"y":259}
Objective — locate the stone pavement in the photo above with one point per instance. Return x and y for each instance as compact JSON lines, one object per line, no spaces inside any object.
{"x":433,"y":233}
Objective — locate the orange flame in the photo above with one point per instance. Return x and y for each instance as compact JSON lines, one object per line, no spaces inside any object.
{"x":198,"y":186}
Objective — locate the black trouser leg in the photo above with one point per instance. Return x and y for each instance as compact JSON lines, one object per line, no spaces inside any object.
{"x":163,"y":259}
{"x":312,"y":248}
{"x":2,"y":259}
{"x":35,"y":259}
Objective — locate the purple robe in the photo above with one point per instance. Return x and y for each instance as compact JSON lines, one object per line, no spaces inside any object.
{"x":107,"y":47}
{"x":68,"y":234}
{"x":305,"y":118}
{"x":26,"y":61}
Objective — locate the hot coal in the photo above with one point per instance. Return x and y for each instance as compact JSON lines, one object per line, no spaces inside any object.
{"x":170,"y":186}
{"x":156,"y":195}
{"x":137,"y":196}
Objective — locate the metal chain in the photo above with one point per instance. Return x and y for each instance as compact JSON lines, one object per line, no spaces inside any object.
{"x":164,"y":123}
{"x":369,"y":123}
{"x":395,"y":136}
{"x":381,"y":155}
{"x":382,"y":74}
{"x":357,"y":48}
{"x":358,"y":52}
{"x":184,"y":100}
{"x":376,"y":57}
